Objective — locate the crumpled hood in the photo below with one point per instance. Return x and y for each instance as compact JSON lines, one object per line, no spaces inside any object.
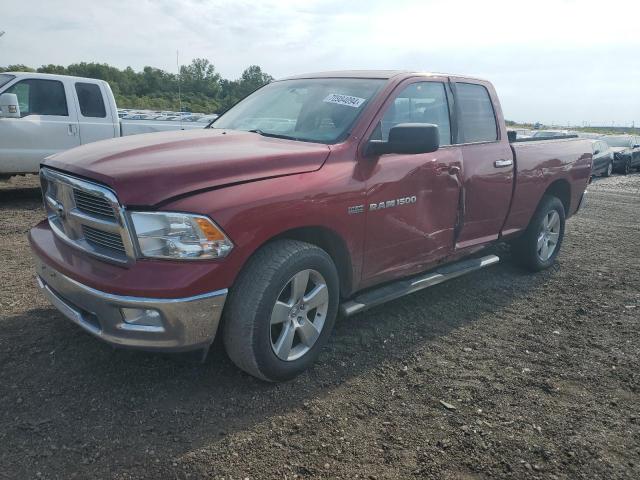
{"x":147,"y":169}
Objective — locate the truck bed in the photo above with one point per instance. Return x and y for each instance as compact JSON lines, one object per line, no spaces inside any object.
{"x":134,"y":127}
{"x":565,"y":162}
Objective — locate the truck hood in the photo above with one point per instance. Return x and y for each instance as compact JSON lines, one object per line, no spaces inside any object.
{"x":147,"y":169}
{"x":619,"y":149}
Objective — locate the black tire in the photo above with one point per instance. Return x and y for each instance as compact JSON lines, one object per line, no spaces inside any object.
{"x":247,"y":329}
{"x":525,"y":248}
{"x":626,"y":169}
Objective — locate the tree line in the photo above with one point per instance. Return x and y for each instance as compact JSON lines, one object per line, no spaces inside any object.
{"x":202,"y":88}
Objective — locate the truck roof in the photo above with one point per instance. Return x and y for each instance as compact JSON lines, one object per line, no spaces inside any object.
{"x":52,"y":76}
{"x":382,"y":74}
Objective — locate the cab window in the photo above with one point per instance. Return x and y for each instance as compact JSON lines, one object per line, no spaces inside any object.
{"x":477,"y":120}
{"x":90,"y":99}
{"x":422,"y":102}
{"x":40,"y":97}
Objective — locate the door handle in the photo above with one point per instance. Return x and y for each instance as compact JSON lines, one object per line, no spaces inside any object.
{"x":72,"y":130}
{"x":452,"y":170}
{"x":502,"y":163}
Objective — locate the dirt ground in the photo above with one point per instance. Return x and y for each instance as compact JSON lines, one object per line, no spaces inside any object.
{"x":539,"y":375}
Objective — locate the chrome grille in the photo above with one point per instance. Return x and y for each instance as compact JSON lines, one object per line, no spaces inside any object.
{"x":87,"y":216}
{"x":92,"y":204}
{"x":103,"y":239}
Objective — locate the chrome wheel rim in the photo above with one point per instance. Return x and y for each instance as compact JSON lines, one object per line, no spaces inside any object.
{"x":609,"y":169}
{"x":548,"y":235}
{"x":298,"y":315}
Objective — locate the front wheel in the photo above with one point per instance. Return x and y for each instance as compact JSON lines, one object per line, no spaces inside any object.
{"x":609,"y":170}
{"x":539,"y":246}
{"x":626,"y":169}
{"x":281,"y":310}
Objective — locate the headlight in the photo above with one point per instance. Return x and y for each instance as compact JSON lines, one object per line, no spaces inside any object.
{"x":179,"y":236}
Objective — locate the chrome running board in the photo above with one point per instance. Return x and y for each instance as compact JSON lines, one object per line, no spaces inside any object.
{"x":398,"y":289}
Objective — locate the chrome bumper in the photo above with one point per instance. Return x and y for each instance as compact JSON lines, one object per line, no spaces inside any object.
{"x":179,"y":324}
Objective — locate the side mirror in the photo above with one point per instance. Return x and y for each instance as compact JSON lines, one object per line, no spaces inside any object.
{"x":596,"y":152}
{"x":9,"y":105}
{"x":407,"y":138}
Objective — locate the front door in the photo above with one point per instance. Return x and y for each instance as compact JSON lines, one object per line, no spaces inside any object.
{"x":48,"y":124}
{"x":412,"y":199}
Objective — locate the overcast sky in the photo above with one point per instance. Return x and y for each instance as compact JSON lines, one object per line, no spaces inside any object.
{"x":561,"y":60}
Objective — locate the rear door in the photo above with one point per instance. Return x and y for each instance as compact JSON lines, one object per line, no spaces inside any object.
{"x":412,"y":199}
{"x":48,"y":124}
{"x":488,"y":169}
{"x":94,"y":116}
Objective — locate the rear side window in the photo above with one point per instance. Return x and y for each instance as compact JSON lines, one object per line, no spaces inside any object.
{"x":423,"y":102}
{"x":477,"y":120}
{"x":40,"y":97}
{"x":91,"y":101}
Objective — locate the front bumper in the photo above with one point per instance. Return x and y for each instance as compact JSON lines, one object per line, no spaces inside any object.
{"x":180,"y":324}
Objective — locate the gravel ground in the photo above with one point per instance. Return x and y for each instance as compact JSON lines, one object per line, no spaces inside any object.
{"x":497,"y":374}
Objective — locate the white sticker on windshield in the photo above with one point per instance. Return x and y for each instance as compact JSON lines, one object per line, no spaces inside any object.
{"x":347,"y":100}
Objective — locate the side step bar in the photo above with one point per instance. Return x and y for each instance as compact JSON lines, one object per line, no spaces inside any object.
{"x":401,"y":288}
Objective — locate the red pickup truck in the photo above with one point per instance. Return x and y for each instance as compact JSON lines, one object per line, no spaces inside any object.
{"x":316,"y":194}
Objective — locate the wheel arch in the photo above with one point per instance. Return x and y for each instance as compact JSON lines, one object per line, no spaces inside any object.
{"x":331,"y":242}
{"x":560,"y":189}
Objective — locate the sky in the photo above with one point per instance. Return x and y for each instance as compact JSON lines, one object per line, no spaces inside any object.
{"x":560,"y":61}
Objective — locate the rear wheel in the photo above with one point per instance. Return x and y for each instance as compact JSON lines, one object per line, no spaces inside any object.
{"x":281,"y":310}
{"x":539,"y":246}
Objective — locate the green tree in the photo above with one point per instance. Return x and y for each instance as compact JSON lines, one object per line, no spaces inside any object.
{"x":16,"y":68}
{"x":202,"y":88}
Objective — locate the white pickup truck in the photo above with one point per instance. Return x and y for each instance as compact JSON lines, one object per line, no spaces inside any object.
{"x":41,"y":114}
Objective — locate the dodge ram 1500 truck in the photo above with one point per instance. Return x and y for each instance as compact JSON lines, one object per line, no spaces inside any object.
{"x":316,"y":194}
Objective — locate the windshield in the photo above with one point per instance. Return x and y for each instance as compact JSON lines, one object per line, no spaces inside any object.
{"x":4,"y":78}
{"x":312,"y":110}
{"x":618,"y":141}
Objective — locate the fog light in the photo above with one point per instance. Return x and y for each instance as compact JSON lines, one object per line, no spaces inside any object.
{"x":147,"y":317}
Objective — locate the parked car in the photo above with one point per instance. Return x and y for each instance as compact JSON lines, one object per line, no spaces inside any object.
{"x":523,"y":133}
{"x":207,"y":118}
{"x":550,"y":133}
{"x":372,"y":192}
{"x":192,"y":118}
{"x":626,"y":151}
{"x":139,"y":116}
{"x":42,"y":114}
{"x":602,"y":158}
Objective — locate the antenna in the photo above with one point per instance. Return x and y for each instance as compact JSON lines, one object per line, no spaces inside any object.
{"x":179,"y":92}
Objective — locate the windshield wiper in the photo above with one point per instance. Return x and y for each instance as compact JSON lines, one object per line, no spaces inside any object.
{"x":273,"y":135}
